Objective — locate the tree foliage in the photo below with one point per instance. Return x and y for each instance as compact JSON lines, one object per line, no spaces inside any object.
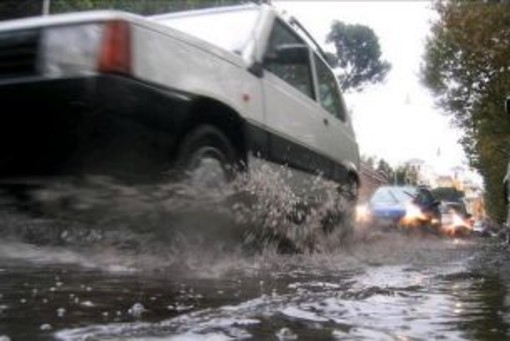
{"x":467,"y":66}
{"x":406,"y":175}
{"x":358,"y":55}
{"x":14,"y":9}
{"x":369,"y":161}
{"x":401,"y":175}
{"x":144,"y":7}
{"x":385,"y":168}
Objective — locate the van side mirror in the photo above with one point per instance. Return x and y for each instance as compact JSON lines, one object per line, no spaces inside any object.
{"x":507,"y":105}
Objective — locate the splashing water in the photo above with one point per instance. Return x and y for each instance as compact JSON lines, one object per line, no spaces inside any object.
{"x":171,"y":222}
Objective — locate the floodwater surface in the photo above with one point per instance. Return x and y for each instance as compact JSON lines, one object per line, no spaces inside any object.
{"x":139,"y":279}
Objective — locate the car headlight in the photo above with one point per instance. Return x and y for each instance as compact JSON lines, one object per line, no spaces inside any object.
{"x":362,"y":213}
{"x":70,"y":50}
{"x":413,"y":215}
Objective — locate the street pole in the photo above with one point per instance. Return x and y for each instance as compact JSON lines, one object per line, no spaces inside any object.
{"x":46,"y":7}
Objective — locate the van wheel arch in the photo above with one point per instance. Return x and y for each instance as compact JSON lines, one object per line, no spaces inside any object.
{"x":207,"y":111}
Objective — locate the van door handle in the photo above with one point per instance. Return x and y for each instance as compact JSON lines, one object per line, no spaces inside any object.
{"x":326,"y":121}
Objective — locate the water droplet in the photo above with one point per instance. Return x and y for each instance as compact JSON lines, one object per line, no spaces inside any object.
{"x":136,"y":310}
{"x":46,"y":326}
{"x":87,"y":304}
{"x":61,"y":312}
{"x":286,"y":334}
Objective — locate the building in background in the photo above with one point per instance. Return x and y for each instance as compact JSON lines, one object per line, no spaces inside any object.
{"x":459,"y":178}
{"x":426,"y":175}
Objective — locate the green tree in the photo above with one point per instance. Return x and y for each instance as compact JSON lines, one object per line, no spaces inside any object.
{"x":144,"y":7}
{"x":369,"y":161}
{"x":358,"y":55}
{"x":406,"y":175}
{"x":384,"y":167}
{"x":467,"y":66}
{"x":14,"y":9}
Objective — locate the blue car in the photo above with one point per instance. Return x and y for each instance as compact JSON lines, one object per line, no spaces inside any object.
{"x":403,"y":206}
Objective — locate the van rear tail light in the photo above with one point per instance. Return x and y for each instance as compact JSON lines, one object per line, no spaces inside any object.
{"x":86,"y":49}
{"x":115,"y":52}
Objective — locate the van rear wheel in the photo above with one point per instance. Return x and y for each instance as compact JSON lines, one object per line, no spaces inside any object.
{"x":206,"y":157}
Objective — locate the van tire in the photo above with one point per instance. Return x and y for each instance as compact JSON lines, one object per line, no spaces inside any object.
{"x":206,"y":143}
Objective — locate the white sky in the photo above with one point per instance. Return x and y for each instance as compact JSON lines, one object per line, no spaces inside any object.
{"x":396,"y":120}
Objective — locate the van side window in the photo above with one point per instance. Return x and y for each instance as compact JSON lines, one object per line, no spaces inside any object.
{"x":288,"y":57}
{"x":329,"y":93}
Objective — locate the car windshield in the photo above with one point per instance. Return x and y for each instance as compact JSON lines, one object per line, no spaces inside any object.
{"x":393,"y":195}
{"x":228,"y":29}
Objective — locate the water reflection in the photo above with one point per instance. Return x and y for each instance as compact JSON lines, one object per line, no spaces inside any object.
{"x":328,"y":296}
{"x":479,"y":305}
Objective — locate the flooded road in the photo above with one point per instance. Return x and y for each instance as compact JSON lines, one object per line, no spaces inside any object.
{"x":131,"y":278}
{"x":393,"y":288}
